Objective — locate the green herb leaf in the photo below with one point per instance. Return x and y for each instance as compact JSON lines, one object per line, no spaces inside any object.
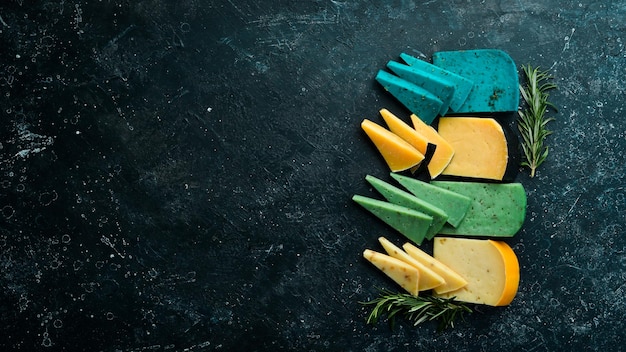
{"x":416,"y":309}
{"x":532,"y":121}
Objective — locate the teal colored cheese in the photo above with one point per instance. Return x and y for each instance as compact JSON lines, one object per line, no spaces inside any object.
{"x":495,"y":77}
{"x":417,"y":99}
{"x":462,"y":85}
{"x":397,"y":196}
{"x":411,"y":223}
{"x":442,"y":89}
{"x":454,"y":204}
{"x":497,"y":209}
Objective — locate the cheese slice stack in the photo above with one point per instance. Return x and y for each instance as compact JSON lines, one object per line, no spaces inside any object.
{"x":490,"y":267}
{"x":405,"y":275}
{"x":398,"y":153}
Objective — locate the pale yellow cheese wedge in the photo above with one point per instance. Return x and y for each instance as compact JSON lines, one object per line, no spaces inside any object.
{"x":428,"y":278}
{"x":444,"y":153}
{"x":490,"y":267}
{"x":480,"y":147}
{"x":405,"y":275}
{"x":398,"y":153}
{"x":453,"y":281}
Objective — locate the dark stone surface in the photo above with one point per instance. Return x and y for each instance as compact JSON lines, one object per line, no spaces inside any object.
{"x":176,"y":175}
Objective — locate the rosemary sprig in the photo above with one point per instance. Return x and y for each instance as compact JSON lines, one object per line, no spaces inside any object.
{"x":532,"y":121}
{"x":416,"y":309}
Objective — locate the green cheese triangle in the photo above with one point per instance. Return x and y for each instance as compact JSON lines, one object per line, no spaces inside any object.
{"x":497,"y":209}
{"x":397,"y":196}
{"x":442,"y":89}
{"x":411,"y":223}
{"x":462,"y":85}
{"x":454,"y":204}
{"x":415,"y":98}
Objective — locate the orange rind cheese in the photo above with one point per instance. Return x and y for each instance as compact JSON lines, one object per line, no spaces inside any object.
{"x":490,"y":267}
{"x":444,"y":153}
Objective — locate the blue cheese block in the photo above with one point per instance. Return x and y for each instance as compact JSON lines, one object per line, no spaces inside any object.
{"x":495,"y":77}
{"x":417,"y":99}
{"x":441,"y":88}
{"x":462,"y":85}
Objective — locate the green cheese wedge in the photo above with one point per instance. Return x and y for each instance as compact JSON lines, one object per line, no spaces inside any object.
{"x":397,"y":196}
{"x":495,"y":77}
{"x":411,"y":223}
{"x":454,"y":204}
{"x":415,"y":98}
{"x":441,"y":88}
{"x":497,"y":209}
{"x":462,"y":85}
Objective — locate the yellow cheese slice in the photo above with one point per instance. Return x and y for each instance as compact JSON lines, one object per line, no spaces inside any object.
{"x":480,"y":145}
{"x":444,"y":153}
{"x":398,"y":153}
{"x":403,"y":274}
{"x":490,"y":267}
{"x":453,"y":281}
{"x":428,"y":278}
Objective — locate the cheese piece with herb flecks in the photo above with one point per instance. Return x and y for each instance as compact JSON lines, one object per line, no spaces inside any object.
{"x":405,"y":275}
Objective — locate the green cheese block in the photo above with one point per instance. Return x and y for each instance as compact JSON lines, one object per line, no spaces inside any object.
{"x":497,"y":209}
{"x":495,"y":77}
{"x":454,"y":204}
{"x":442,"y":89}
{"x":462,"y":85}
{"x":415,"y":98}
{"x":397,"y":196}
{"x":411,"y":223}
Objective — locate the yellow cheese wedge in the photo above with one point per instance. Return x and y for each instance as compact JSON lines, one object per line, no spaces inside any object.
{"x":403,"y":274}
{"x":490,"y":267}
{"x":444,"y":153}
{"x":428,"y":278}
{"x":453,"y":281}
{"x":480,"y":145}
{"x":398,"y":153}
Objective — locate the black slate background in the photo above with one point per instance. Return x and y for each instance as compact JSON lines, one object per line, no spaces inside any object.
{"x":176,"y":175}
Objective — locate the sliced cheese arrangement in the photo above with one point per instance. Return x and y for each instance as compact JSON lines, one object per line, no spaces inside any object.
{"x":465,"y":81}
{"x":471,"y":147}
{"x":466,"y":205}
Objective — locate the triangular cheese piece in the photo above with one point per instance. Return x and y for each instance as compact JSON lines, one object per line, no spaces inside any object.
{"x":454,"y":204}
{"x":411,"y":223}
{"x":444,"y":151}
{"x":417,"y":99}
{"x":453,"y":281}
{"x":405,"y":275}
{"x":428,"y":278}
{"x":439,"y":87}
{"x":398,"y":153}
{"x":491,"y":269}
{"x":397,"y":196}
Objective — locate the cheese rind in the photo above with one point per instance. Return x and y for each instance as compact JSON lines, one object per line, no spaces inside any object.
{"x":452,"y":280}
{"x":398,"y":153}
{"x":443,"y":154}
{"x":417,"y":99}
{"x":444,"y":151}
{"x":429,"y":279}
{"x":454,"y":204}
{"x":397,"y":196}
{"x":412,"y":224}
{"x":405,"y":275}
{"x":480,"y":147}
{"x":497,"y":209}
{"x":490,"y":267}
